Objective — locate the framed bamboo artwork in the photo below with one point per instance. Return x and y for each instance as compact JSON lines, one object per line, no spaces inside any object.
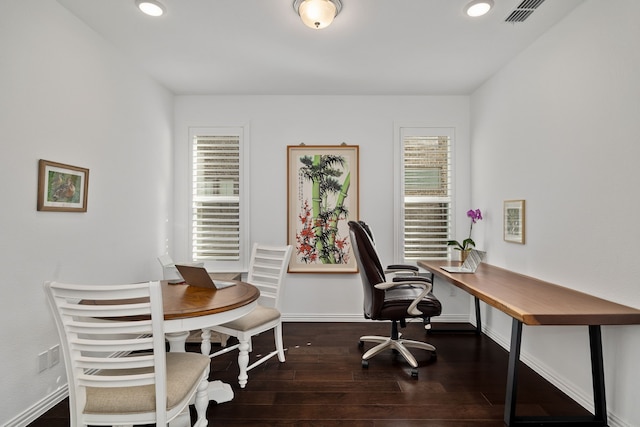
{"x":514,"y":221}
{"x":322,"y":196}
{"x":62,"y":187}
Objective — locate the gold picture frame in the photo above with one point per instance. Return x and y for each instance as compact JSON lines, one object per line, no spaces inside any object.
{"x":322,"y":196}
{"x":61,"y":187}
{"x":514,"y":221}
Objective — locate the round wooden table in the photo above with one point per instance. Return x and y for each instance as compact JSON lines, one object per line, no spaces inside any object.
{"x":188,"y":308}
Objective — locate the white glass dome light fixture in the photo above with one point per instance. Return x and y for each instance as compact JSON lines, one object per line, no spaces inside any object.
{"x":150,"y":7}
{"x":317,"y":14}
{"x":478,"y":8}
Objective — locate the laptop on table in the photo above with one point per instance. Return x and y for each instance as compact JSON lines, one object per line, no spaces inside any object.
{"x":470,"y":265}
{"x":199,"y":277}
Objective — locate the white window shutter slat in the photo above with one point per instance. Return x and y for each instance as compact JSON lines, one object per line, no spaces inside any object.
{"x":427,"y":196}
{"x":216,"y":202}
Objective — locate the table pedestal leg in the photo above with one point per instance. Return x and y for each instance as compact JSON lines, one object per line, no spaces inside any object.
{"x":220,"y":392}
{"x":177,"y":341}
{"x":205,"y":343}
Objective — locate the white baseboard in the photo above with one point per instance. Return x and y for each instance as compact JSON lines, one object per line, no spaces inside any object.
{"x":319,"y":317}
{"x":37,"y":410}
{"x":579,"y":395}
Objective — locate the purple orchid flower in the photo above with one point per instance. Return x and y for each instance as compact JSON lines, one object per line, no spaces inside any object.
{"x":468,"y":243}
{"x":474,"y":215}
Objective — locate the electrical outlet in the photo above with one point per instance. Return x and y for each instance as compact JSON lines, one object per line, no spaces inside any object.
{"x":54,"y":355}
{"x":43,"y":361}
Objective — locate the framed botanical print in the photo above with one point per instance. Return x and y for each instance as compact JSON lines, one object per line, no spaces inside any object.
{"x":322,"y":196}
{"x":514,"y":221}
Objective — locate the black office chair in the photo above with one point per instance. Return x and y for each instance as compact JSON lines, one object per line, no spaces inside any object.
{"x":406,"y":296}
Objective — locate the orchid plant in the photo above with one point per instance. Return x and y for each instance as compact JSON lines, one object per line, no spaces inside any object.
{"x":467,"y":243}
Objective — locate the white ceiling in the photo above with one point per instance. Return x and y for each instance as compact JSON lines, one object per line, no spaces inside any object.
{"x":373,"y":47}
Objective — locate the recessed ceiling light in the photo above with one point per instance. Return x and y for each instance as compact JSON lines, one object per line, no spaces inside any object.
{"x":478,"y":7}
{"x":150,"y":7}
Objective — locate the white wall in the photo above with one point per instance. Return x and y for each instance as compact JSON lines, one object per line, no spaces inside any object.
{"x":278,"y":121}
{"x":559,"y":127}
{"x":68,"y":97}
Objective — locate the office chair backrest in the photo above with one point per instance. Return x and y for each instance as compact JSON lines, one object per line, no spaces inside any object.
{"x":266,"y":271}
{"x":366,"y":228}
{"x":369,"y":232}
{"x":371,"y":270}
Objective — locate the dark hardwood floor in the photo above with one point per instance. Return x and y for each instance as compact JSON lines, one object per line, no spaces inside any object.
{"x":322,"y":383}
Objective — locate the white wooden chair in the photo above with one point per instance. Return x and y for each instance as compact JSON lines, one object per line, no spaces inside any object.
{"x":267,"y":268}
{"x":118,"y":370}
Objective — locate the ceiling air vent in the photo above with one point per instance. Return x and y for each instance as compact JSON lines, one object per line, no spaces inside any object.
{"x":523,"y":10}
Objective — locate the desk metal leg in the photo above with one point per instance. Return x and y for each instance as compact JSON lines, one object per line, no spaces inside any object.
{"x":512,"y":372}
{"x":597,"y":372}
{"x":478,"y":318}
{"x":477,"y":330}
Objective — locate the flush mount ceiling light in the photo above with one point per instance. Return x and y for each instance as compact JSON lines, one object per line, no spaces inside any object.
{"x":317,"y":14}
{"x":478,"y":7}
{"x":150,"y":7}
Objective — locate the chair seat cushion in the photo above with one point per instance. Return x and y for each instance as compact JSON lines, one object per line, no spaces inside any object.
{"x":183,"y":374}
{"x":259,"y":316}
{"x":397,"y":300}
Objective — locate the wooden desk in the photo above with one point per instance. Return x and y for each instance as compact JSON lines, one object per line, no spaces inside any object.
{"x":531,"y":301}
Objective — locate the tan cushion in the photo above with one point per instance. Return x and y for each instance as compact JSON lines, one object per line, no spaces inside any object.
{"x":183,"y":373}
{"x":260,"y":315}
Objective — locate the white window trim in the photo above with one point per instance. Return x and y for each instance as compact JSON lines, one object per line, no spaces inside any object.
{"x":245,"y":239}
{"x":401,"y":129}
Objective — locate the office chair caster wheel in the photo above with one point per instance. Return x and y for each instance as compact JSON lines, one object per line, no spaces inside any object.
{"x":414,"y":373}
{"x":365,"y":364}
{"x":360,"y":344}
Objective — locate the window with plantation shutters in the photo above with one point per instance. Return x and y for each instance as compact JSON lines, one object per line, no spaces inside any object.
{"x":425,"y":193}
{"x":217,"y":203}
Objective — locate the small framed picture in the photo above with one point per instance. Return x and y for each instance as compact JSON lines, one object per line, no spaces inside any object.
{"x":62,"y":187}
{"x":514,"y":221}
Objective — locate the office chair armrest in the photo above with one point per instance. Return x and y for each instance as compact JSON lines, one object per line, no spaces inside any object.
{"x":412,"y":279}
{"x":402,"y":268}
{"x":422,"y":282}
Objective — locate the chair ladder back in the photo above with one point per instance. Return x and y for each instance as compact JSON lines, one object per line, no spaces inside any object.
{"x":109,"y":337}
{"x":266,"y":271}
